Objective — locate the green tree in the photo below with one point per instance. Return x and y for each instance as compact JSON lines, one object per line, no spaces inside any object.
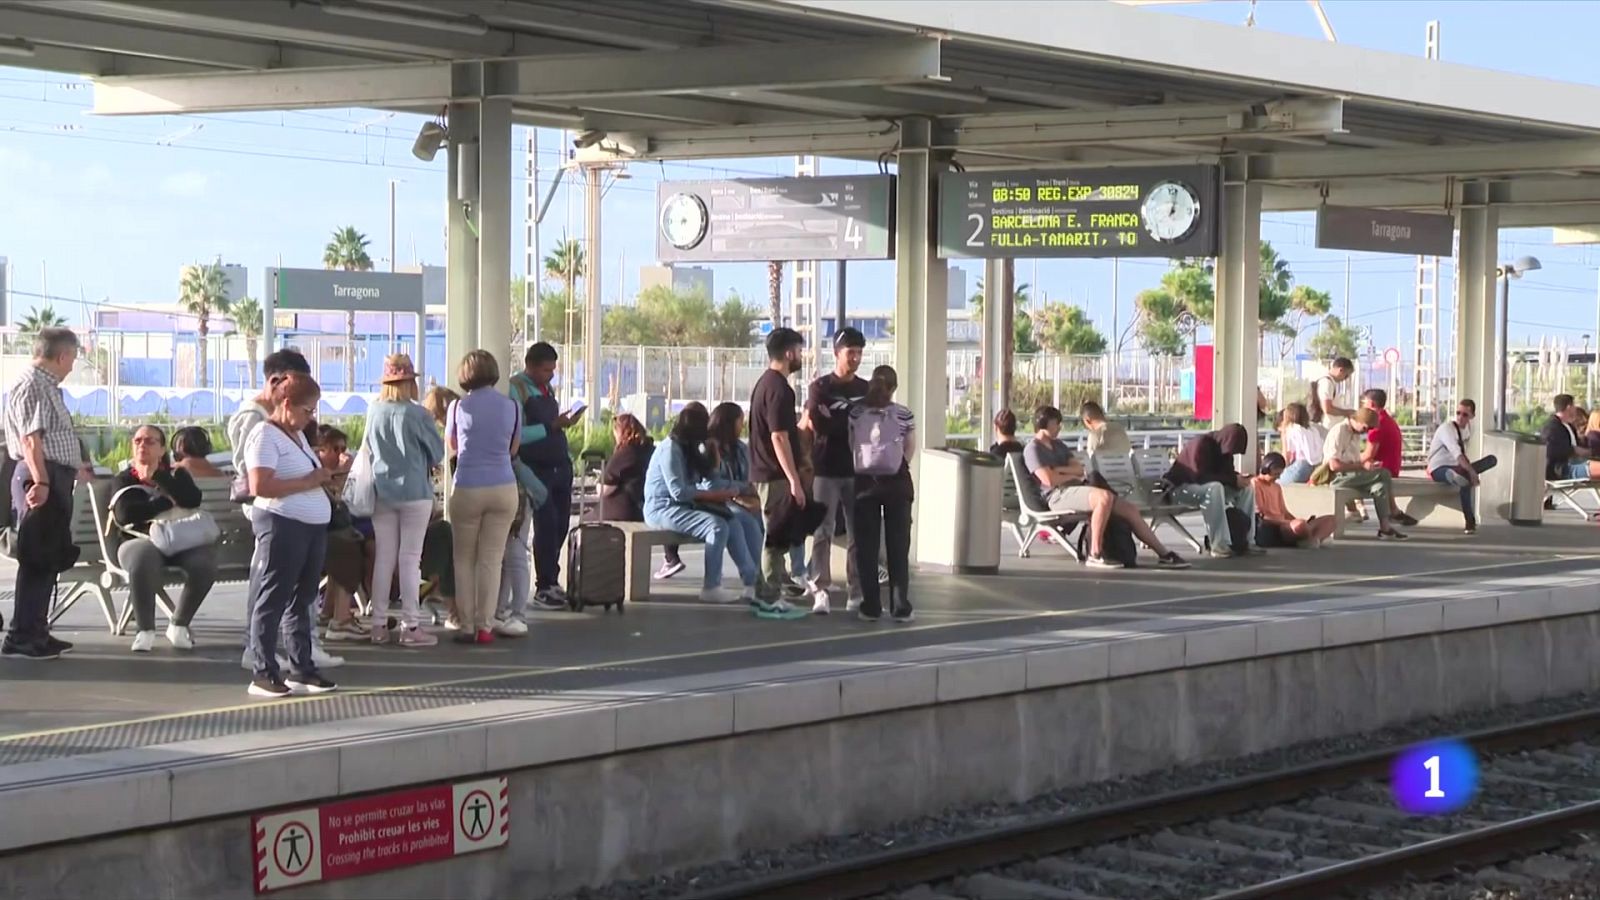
{"x":1166,"y":316}
{"x":1304,"y":302}
{"x":729,"y":325}
{"x":1065,"y":329}
{"x":566,"y":265}
{"x":202,"y":293}
{"x":347,"y":250}
{"x":1022,"y":337}
{"x":1334,"y":339}
{"x":249,"y":321}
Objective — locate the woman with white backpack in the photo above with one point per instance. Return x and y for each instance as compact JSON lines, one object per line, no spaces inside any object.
{"x":157,"y":507}
{"x":883,"y":438}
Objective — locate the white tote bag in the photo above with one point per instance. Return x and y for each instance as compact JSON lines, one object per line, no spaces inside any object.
{"x":176,"y":530}
{"x":360,"y":489}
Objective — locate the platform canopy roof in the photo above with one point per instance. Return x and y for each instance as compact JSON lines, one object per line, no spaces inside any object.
{"x":1025,"y":83}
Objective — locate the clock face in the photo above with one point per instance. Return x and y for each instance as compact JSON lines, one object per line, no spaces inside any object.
{"x":684,"y":221}
{"x":1171,"y":211}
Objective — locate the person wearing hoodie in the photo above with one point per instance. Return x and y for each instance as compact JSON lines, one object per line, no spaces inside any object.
{"x":1203,"y":475}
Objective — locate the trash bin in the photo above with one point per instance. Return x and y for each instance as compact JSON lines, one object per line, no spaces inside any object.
{"x":1514,"y":489}
{"x":958,"y":511}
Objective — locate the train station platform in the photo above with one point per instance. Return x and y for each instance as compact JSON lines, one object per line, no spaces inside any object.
{"x":1135,"y":670}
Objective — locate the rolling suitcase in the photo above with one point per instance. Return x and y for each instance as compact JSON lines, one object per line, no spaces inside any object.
{"x":596,"y":567}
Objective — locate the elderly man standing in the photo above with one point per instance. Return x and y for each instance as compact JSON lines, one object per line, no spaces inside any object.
{"x":40,"y":438}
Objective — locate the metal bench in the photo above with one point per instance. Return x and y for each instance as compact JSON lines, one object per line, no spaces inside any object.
{"x":1121,"y":473}
{"x":1150,"y":466}
{"x":1566,"y":491}
{"x":234,"y":547}
{"x":1035,"y":520}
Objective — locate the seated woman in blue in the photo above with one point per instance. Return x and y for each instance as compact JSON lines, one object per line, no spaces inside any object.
{"x":731,"y":471}
{"x":676,"y":497}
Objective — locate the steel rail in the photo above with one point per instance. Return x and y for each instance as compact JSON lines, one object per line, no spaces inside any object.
{"x":890,"y":870}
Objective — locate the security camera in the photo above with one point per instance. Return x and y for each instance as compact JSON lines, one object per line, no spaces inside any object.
{"x":587,"y":139}
{"x":429,"y":140}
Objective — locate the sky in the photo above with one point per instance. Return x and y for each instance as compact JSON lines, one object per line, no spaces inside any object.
{"x":105,"y":211}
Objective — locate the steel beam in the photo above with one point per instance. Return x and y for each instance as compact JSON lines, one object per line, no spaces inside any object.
{"x":535,"y":80}
{"x":412,"y":84}
{"x":793,"y":66}
{"x":96,"y":63}
{"x":1308,"y":117}
{"x":307,"y":24}
{"x":158,"y":43}
{"x":1237,"y":324}
{"x":862,"y":139}
{"x":1521,"y":158}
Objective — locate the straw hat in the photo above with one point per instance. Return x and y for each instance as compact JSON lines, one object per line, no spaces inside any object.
{"x":397,"y":369}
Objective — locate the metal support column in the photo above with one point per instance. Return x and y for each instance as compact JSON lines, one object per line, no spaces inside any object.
{"x":921,"y":288}
{"x":461,"y":273}
{"x":1237,"y":326}
{"x":592,"y":366}
{"x":532,"y":265}
{"x":1476,"y":364}
{"x":995,"y":331}
{"x":804,"y":294}
{"x":494,"y":237}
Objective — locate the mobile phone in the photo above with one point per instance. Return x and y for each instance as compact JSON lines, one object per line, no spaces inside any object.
{"x":577,"y":407}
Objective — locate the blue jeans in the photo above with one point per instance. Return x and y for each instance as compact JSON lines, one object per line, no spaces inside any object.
{"x":712,"y":529}
{"x":288,"y":559}
{"x":1214,"y":498}
{"x":1298,"y":472}
{"x":745,"y":538}
{"x":1453,"y":475}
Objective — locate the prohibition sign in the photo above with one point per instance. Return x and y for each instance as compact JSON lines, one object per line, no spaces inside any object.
{"x":476,"y":815}
{"x":286,"y":844}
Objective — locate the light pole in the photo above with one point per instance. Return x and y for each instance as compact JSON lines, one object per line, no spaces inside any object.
{"x":1505,"y":272}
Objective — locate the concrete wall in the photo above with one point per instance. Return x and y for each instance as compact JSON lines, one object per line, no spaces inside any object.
{"x":633,"y":814}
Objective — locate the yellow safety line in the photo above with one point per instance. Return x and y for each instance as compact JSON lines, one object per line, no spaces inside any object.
{"x":773,"y":645}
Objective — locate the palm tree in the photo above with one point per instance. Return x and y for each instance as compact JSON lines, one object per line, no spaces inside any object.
{"x":566,"y":264}
{"x":347,"y":250}
{"x":202,"y":292}
{"x":775,"y":293}
{"x":35,"y":322}
{"x":249,"y":321}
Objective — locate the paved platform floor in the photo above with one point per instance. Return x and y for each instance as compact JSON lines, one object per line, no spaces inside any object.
{"x":102,"y":697}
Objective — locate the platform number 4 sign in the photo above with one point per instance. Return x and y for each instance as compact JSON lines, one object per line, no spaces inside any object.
{"x":852,"y":233}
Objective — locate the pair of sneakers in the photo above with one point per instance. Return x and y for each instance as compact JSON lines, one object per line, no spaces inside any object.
{"x":280,"y":687}
{"x":177,"y":635}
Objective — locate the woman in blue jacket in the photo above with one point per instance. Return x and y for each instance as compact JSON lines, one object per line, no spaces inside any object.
{"x":678,"y":497}
{"x":732,"y":472}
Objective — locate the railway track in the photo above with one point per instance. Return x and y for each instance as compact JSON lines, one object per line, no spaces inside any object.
{"x":1321,"y":830}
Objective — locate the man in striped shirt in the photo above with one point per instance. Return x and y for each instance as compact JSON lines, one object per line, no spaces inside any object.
{"x":39,"y":436}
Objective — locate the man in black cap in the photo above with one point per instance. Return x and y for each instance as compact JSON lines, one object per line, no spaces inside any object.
{"x":828,"y":400}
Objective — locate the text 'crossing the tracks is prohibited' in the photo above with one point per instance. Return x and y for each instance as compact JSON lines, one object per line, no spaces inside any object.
{"x":373,"y":834}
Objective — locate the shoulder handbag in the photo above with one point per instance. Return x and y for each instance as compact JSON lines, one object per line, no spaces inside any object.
{"x":360,"y":488}
{"x":175,"y":530}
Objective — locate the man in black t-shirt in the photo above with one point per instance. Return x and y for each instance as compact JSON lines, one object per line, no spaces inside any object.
{"x":829,"y":400}
{"x":774,"y":447}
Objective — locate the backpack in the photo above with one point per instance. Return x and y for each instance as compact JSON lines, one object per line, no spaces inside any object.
{"x":1118,"y":544}
{"x":877,"y":440}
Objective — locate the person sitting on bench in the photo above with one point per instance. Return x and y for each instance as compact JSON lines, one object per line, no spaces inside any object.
{"x":1203,"y":475}
{"x":1565,"y":457}
{"x":1385,"y":445}
{"x":1342,"y":455}
{"x":1062,"y":485}
{"x":1005,"y":434}
{"x":1448,"y":463}
{"x":1105,"y":436}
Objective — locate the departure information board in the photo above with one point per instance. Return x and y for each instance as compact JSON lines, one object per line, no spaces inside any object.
{"x":754,"y":219}
{"x":1167,"y":211}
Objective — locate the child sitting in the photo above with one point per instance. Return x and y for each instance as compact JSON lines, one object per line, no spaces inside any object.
{"x":1278,"y":528}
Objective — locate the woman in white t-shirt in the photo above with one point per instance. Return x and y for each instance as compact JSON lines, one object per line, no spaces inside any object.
{"x":1302,"y":444}
{"x":291,"y":528}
